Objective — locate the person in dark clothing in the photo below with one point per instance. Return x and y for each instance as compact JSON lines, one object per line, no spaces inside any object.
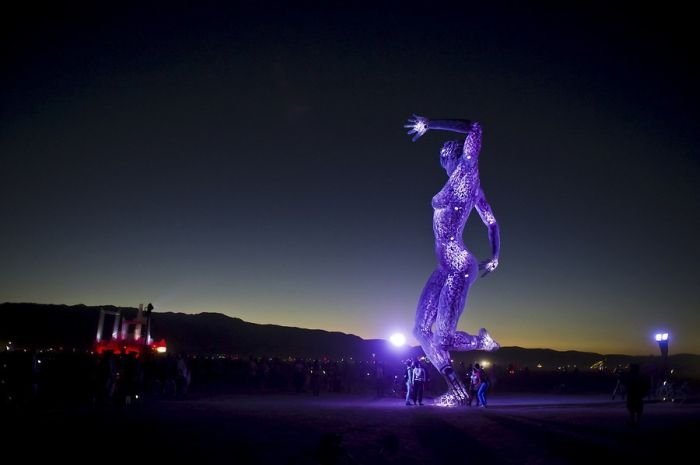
{"x":419,"y":377}
{"x":619,"y":386}
{"x":637,"y":386}
{"x":484,"y":384}
{"x":316,"y":378}
{"x":408,"y":376}
{"x":473,"y":381}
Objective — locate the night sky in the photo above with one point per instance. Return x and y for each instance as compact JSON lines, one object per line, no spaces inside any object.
{"x":252,"y":161}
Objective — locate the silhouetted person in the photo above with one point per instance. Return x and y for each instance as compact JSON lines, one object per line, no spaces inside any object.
{"x":484,"y":384}
{"x":299,"y":376}
{"x":35,"y":377}
{"x":170,"y":378}
{"x":183,"y":378}
{"x":129,"y":379}
{"x":619,"y":385}
{"x":474,"y":380}
{"x":379,"y":379}
{"x":419,"y":376}
{"x":107,"y":379}
{"x":252,"y":373}
{"x":316,"y":378}
{"x":408,"y":377}
{"x":637,"y":387}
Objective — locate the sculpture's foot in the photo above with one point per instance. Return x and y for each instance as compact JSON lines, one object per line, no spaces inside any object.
{"x":486,"y":342}
{"x":448,"y":399}
{"x":465,"y":342}
{"x":460,"y":395}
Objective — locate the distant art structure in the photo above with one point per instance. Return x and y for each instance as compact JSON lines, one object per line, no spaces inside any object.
{"x":445,"y":294}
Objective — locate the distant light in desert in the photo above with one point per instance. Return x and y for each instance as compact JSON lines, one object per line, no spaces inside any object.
{"x":398,"y":339}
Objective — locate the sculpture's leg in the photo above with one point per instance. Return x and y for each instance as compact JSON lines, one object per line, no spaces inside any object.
{"x":431,"y":299}
{"x":453,"y":300}
{"x":451,"y":304}
{"x":463,"y":342}
{"x":457,"y":393}
{"x":425,"y":316}
{"x":450,"y":307}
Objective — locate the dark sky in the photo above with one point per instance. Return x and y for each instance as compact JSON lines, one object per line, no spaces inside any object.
{"x":252,"y":161}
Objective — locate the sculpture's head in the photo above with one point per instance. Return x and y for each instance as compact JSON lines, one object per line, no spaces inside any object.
{"x":450,"y":153}
{"x":468,"y":148}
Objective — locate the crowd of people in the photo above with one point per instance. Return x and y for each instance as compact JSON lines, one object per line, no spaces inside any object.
{"x":69,"y":377}
{"x":73,"y":377}
{"x":52,"y":378}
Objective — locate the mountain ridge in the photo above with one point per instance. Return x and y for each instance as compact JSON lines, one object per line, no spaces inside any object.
{"x":213,"y":333}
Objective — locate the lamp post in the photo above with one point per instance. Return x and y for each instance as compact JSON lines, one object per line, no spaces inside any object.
{"x":662,"y":339}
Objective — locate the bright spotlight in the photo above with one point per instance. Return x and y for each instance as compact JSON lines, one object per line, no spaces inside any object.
{"x":398,"y":339}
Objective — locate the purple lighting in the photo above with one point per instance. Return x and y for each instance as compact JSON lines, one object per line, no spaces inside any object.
{"x":662,"y":336}
{"x":398,"y":339}
{"x":445,"y":294}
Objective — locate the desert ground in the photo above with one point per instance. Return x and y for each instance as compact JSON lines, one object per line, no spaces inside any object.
{"x":355,"y":429}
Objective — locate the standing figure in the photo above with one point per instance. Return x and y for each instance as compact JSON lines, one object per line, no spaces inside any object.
{"x":444,"y":296}
{"x":379,"y":378}
{"x":315,"y":378}
{"x":474,"y":380}
{"x":419,"y":376}
{"x":409,"y":381}
{"x":484,"y":384}
{"x":619,"y":385}
{"x":637,"y":387}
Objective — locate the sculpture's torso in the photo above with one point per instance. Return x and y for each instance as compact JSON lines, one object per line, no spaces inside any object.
{"x":452,"y":206}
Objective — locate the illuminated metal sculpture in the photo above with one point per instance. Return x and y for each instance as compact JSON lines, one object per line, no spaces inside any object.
{"x":126,"y":337}
{"x":444,"y":296}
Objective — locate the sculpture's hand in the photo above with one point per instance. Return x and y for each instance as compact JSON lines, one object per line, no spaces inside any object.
{"x":418,"y":125}
{"x":488,"y":266}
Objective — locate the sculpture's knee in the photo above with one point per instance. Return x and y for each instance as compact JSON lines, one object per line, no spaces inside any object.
{"x":444,"y":340}
{"x":422,"y":334}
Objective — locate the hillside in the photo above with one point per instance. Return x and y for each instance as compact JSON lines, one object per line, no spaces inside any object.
{"x":39,"y":325}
